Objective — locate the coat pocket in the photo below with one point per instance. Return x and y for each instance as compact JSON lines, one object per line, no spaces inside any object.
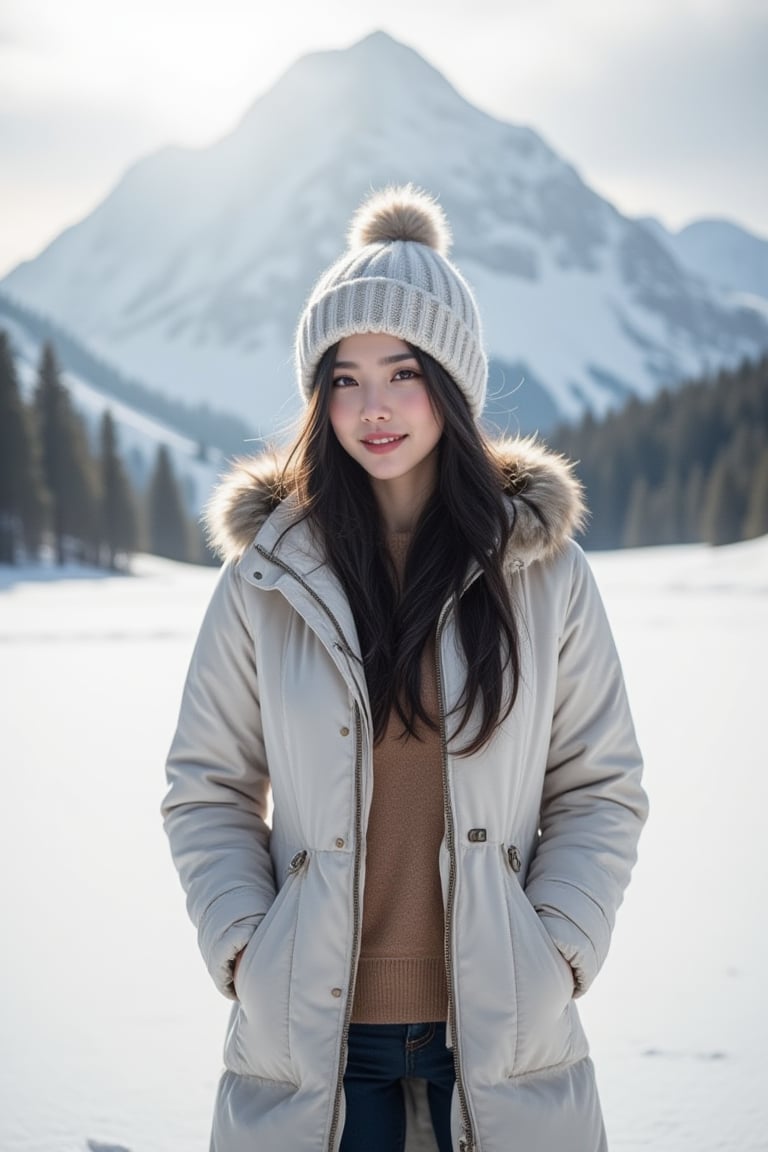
{"x":543,"y":984}
{"x":258,"y":1040}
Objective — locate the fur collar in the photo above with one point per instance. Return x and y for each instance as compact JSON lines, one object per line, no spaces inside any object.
{"x":546,"y":496}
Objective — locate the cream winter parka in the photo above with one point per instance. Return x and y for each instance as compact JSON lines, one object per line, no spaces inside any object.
{"x":541,"y":828}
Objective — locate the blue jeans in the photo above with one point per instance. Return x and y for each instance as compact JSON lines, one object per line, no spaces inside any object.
{"x":381,"y":1056}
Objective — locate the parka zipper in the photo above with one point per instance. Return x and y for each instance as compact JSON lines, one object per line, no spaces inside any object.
{"x":467,"y":1141}
{"x":356,"y":904}
{"x":356,"y":921}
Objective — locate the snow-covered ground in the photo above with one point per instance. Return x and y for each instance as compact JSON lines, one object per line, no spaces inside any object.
{"x":110,"y":1031}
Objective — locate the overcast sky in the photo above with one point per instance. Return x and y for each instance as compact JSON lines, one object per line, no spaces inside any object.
{"x":662,"y":105}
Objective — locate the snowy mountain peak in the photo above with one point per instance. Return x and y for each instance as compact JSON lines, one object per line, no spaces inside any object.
{"x":190,"y":276}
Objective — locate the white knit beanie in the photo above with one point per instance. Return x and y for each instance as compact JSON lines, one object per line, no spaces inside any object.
{"x":396,"y":277}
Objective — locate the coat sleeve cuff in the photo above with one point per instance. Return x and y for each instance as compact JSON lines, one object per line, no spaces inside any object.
{"x":577,"y":925}
{"x":227,"y":926}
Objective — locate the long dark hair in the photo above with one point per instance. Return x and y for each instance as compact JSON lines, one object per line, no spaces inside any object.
{"x":464,"y":521}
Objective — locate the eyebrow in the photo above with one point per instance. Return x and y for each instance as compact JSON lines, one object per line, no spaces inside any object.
{"x":398,"y":356}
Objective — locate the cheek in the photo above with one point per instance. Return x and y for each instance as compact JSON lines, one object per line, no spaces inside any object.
{"x":421,"y":412}
{"x":339,"y":413}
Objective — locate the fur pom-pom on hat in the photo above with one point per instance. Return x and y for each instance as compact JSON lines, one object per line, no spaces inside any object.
{"x":396,"y":277}
{"x":405,"y":213}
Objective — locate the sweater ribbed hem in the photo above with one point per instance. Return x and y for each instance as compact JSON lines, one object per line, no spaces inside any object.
{"x":400,"y":991}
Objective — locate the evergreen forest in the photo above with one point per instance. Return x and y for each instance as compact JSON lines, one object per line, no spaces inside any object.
{"x":64,"y":497}
{"x":690,"y":465}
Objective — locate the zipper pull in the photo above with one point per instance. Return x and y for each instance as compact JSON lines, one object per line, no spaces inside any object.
{"x":298,"y":861}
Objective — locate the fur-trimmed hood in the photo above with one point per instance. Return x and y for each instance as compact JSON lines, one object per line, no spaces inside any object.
{"x":546,"y":496}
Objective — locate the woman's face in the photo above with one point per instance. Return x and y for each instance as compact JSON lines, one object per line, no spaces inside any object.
{"x":382,"y":414}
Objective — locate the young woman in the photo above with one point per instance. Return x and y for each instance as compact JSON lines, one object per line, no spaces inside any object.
{"x":404,"y":793}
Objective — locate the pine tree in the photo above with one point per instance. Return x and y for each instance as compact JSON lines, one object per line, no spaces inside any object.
{"x":22,"y":495}
{"x":756,"y":519}
{"x":724,"y":503}
{"x":168,"y":531}
{"x":118,"y":533}
{"x":201,"y":548}
{"x":637,"y":528}
{"x":67,"y":464}
{"x":34,"y":495}
{"x":81,"y":496}
{"x":49,"y":404}
{"x":666,"y":510}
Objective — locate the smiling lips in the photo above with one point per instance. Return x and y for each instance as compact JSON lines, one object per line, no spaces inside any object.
{"x":381,"y":444}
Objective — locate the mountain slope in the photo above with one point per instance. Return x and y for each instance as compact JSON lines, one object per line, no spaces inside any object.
{"x":723,"y":253}
{"x":192,"y":272}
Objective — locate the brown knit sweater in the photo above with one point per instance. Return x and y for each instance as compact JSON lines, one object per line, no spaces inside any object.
{"x":401,"y":973}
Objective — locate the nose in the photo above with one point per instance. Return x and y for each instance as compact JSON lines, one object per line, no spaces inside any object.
{"x":374,"y":407}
